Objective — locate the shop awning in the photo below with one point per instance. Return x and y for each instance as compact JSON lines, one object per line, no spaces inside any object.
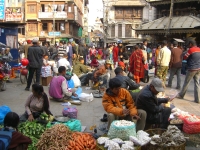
{"x":126,"y":3}
{"x":181,"y":24}
{"x":179,"y":40}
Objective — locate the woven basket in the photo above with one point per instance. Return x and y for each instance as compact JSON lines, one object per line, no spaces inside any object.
{"x":149,"y":146}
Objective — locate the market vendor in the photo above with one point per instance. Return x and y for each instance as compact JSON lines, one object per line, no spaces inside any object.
{"x":127,"y":83}
{"x":119,"y":105}
{"x":101,"y":76}
{"x":36,"y":103}
{"x":58,"y":88}
{"x":81,"y":70}
{"x":18,"y":140}
{"x":147,"y":100}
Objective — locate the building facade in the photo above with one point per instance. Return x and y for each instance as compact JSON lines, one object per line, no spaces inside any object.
{"x":122,"y":17}
{"x":54,"y":20}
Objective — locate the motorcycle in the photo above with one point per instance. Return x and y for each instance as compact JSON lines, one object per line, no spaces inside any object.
{"x":5,"y":70}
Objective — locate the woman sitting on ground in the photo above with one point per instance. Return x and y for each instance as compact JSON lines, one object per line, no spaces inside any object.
{"x":36,"y":103}
{"x":18,"y":141}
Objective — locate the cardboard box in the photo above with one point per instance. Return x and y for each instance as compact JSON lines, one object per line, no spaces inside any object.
{"x":46,"y":80}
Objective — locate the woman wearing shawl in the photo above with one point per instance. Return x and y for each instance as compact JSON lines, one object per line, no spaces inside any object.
{"x":137,"y":64}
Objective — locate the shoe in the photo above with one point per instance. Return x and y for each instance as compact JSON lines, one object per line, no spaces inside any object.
{"x":178,"y":88}
{"x":8,"y":81}
{"x":27,"y":89}
{"x":179,"y":97}
{"x":105,"y":118}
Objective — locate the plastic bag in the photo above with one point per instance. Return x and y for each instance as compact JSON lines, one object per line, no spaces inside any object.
{"x":78,"y":92}
{"x":74,"y":124}
{"x":86,"y":97}
{"x":76,"y":80}
{"x":3,"y":111}
{"x":122,"y":132}
{"x":70,"y":83}
{"x":70,"y":112}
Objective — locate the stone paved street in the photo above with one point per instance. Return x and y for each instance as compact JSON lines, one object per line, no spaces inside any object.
{"x":88,"y":113}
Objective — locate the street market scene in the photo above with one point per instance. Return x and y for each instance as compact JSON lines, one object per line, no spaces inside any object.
{"x":99,"y":75}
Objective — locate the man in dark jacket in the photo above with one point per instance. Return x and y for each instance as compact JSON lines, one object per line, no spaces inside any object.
{"x":35,"y":57}
{"x":127,"y":83}
{"x":175,"y":65}
{"x":81,"y":49}
{"x":147,"y":100}
{"x":193,"y":66}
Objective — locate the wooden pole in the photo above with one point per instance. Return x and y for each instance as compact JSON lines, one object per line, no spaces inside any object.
{"x":170,"y":18}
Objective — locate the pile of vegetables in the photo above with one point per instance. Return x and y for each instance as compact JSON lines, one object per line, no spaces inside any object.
{"x":33,"y":130}
{"x":56,"y":137}
{"x":81,"y":141}
{"x":46,"y":117}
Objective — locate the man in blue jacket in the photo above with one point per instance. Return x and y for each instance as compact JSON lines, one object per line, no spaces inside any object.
{"x":193,"y":70}
{"x":35,"y":57}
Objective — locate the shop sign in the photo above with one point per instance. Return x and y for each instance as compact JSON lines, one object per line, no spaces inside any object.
{"x":44,"y":15}
{"x":54,"y":33}
{"x":2,"y":8}
{"x":14,"y":14}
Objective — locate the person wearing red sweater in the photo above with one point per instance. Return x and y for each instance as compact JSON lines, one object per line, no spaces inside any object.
{"x":115,"y":54}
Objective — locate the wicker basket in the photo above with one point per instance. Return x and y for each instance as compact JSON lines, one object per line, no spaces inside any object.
{"x":149,"y":146}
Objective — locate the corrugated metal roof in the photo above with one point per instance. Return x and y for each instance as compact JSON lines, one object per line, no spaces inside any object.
{"x":180,"y":22}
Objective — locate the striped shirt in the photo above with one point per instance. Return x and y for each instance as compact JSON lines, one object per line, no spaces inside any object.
{"x":61,"y":51}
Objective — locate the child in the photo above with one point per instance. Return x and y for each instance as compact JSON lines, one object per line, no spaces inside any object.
{"x":45,"y":60}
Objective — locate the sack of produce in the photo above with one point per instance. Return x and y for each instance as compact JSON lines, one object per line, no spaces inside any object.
{"x":191,"y":124}
{"x":122,"y":129}
{"x":74,"y":125}
{"x":70,"y":112}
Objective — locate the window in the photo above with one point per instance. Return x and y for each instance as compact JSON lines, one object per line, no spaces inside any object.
{"x":42,"y":8}
{"x":137,"y":12}
{"x":119,"y":13}
{"x":31,"y":9}
{"x":44,"y":27}
{"x":128,"y":30}
{"x":60,"y":26}
{"x":21,"y":31}
{"x":119,"y":30}
{"x":32,"y":27}
{"x":113,"y":31}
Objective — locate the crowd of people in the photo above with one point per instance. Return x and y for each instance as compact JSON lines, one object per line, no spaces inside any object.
{"x":118,"y":98}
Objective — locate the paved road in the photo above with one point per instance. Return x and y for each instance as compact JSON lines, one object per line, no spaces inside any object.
{"x":89,"y":113}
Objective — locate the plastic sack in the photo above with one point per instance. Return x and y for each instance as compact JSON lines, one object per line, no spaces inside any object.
{"x":70,"y":83}
{"x":190,"y":127}
{"x":78,"y":92}
{"x":122,"y":132}
{"x":76,"y":80}
{"x":70,"y":112}
{"x":74,"y":125}
{"x":3,"y":111}
{"x":86,"y":97}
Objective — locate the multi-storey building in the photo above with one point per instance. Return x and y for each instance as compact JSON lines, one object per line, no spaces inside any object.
{"x":54,"y":20}
{"x":184,"y":21}
{"x":121,"y":17}
{"x":85,"y":36}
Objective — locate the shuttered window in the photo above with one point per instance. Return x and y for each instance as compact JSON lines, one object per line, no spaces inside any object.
{"x":32,"y":27}
{"x":113,"y":31}
{"x":128,"y":30}
{"x":119,"y":30}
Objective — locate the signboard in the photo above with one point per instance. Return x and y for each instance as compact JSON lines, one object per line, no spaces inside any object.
{"x":44,"y":15}
{"x":13,"y":14}
{"x":54,"y":33}
{"x":2,"y":8}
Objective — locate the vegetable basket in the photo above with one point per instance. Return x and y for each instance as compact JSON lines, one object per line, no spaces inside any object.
{"x":149,"y":146}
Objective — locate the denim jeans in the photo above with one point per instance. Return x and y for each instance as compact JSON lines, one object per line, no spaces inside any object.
{"x":189,"y":75}
{"x":30,"y":76}
{"x":174,"y":71}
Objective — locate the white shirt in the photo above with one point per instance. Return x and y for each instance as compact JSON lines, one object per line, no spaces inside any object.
{"x":64,"y":62}
{"x":164,"y":57}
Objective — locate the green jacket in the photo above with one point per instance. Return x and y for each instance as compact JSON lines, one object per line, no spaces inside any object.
{"x":79,"y":68}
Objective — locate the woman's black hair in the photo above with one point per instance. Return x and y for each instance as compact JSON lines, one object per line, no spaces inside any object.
{"x":11,"y":120}
{"x":115,"y":83}
{"x":37,"y":88}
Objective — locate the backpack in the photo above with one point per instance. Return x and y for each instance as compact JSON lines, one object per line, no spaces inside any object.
{"x":5,"y":138}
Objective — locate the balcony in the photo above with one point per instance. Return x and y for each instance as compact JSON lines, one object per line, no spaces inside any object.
{"x":49,"y":15}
